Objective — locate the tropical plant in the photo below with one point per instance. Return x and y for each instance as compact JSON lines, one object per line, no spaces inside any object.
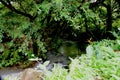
{"x":86,"y":67}
{"x":30,"y":28}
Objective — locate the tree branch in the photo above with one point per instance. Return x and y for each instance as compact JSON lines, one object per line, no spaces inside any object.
{"x":9,"y":6}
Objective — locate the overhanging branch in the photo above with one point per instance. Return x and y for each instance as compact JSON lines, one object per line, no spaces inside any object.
{"x":12,"y":8}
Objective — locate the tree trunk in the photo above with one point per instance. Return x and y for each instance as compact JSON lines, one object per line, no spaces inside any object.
{"x":109,"y":18}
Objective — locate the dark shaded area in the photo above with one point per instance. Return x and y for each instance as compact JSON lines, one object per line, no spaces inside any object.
{"x":1,"y":78}
{"x":6,"y":37}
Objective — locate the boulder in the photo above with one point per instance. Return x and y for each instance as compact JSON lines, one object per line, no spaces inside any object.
{"x":31,"y":74}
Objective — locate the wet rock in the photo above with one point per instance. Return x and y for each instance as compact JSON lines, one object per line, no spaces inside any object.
{"x":31,"y":74}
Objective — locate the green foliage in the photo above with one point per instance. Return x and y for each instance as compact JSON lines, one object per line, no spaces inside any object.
{"x":103,"y":49}
{"x":16,"y":37}
{"x":57,"y":73}
{"x":86,"y":68}
{"x":103,"y":64}
{"x":29,"y":28}
{"x":116,"y":34}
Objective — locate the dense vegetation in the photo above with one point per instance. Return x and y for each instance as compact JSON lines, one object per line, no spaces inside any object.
{"x":30,"y":28}
{"x":101,"y":64}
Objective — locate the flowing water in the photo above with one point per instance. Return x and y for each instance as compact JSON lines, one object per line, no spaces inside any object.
{"x":66,"y":50}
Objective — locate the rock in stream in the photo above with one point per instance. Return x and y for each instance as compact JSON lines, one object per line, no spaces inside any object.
{"x":15,"y":73}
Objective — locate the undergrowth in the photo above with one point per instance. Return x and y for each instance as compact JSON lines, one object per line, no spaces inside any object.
{"x":88,"y":68}
{"x":100,"y":62}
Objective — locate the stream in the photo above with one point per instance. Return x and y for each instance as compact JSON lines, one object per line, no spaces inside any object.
{"x":68,"y":49}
